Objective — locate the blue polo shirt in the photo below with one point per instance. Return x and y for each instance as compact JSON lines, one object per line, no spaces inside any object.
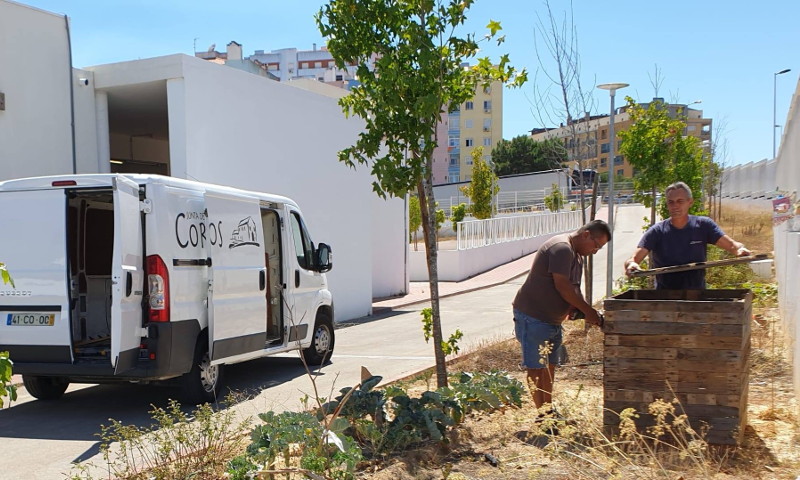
{"x":676,"y":246}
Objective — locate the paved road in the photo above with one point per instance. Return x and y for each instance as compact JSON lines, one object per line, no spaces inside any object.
{"x":42,"y":439}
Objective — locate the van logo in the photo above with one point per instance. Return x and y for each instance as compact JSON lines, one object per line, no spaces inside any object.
{"x":244,"y":234}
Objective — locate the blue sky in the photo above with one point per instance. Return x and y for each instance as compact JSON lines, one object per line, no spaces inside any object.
{"x":723,"y":53}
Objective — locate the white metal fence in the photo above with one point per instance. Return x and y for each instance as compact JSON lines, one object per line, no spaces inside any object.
{"x":480,"y":233}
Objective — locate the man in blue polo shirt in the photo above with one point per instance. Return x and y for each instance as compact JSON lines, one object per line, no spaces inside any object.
{"x":680,"y":239}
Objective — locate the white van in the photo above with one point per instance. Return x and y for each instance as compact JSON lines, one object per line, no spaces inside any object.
{"x":145,"y":278}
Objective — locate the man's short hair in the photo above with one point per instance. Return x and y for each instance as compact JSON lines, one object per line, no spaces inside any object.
{"x":596,"y":227}
{"x":677,"y":186}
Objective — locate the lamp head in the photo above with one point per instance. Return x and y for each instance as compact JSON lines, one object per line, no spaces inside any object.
{"x":785,"y":70}
{"x":612,"y":86}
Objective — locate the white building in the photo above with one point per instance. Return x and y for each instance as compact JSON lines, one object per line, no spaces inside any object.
{"x":182,"y":116}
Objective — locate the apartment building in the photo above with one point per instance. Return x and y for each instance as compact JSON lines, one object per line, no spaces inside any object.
{"x":591,"y":145}
{"x":285,"y":64}
{"x":476,"y":122}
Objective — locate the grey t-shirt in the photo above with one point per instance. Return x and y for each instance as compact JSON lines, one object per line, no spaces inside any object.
{"x":676,"y":246}
{"x":538,"y":296}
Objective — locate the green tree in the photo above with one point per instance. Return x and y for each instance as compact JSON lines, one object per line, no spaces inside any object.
{"x":555,"y":201}
{"x":483,"y":186}
{"x":457,"y":214}
{"x":414,"y":218}
{"x":523,"y":154}
{"x":655,"y":146}
{"x":418,"y":74}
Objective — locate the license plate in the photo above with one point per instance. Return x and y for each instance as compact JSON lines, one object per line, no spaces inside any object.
{"x":31,"y":319}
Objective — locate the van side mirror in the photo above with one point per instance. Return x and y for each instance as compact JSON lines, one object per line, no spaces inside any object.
{"x":323,"y":260}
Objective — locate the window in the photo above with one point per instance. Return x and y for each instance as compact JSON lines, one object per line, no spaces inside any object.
{"x":603,"y":161}
{"x":487,"y":141}
{"x":469,"y":105}
{"x":452,"y":141}
{"x":468,"y":160}
{"x":487,"y":106}
{"x":487,"y":124}
{"x":317,"y":64}
{"x":339,"y":78}
{"x":603,"y":134}
{"x":618,"y":160}
{"x":468,"y":123}
{"x":620,"y":172}
{"x":691,"y":128}
{"x":469,"y":142}
{"x":487,"y":90}
{"x":303,"y":247}
{"x":604,"y":147}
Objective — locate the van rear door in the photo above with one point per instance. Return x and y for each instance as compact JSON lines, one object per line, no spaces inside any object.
{"x":126,"y":276}
{"x":237,"y":305}
{"x":34,"y":315}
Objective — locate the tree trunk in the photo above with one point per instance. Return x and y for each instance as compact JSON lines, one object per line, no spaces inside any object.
{"x":653,"y":207}
{"x":428,"y":208}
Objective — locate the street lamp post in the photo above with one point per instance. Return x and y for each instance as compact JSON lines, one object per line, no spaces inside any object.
{"x":774,"y":104}
{"x":612,"y":88}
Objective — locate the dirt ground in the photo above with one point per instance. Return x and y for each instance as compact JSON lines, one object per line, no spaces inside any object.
{"x":508,"y":444}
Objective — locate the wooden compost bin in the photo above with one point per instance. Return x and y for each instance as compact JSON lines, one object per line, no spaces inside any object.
{"x":693,"y":345}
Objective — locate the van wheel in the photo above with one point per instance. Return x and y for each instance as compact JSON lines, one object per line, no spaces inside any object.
{"x":203,"y":382}
{"x":45,"y":388}
{"x":322,"y":341}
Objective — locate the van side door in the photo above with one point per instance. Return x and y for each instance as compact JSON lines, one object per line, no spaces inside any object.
{"x":237,"y":306}
{"x":127,"y":276}
{"x":305,"y":281}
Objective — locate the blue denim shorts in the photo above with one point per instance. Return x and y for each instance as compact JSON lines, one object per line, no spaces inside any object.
{"x":533,"y":334}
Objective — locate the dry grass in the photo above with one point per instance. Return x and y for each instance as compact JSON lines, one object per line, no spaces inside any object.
{"x":770,"y":450}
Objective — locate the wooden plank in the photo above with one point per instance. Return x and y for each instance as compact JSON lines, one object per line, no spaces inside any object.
{"x":710,"y":355}
{"x":698,"y":265}
{"x":674,"y":341}
{"x":638,"y":364}
{"x":671,"y":328}
{"x":725,"y":366}
{"x":640,"y":352}
{"x":644,"y":315}
{"x":695,"y":412}
{"x":691,"y":295}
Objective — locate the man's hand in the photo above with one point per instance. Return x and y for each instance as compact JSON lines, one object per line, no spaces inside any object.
{"x":631,"y":267}
{"x":593,"y":318}
{"x":742,"y":251}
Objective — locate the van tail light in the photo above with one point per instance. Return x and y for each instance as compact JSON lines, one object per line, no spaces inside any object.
{"x":158,"y":289}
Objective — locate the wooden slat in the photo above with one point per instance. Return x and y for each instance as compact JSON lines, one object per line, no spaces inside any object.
{"x":640,"y":352}
{"x":643,"y":315}
{"x":636,"y":327}
{"x":674,"y":341}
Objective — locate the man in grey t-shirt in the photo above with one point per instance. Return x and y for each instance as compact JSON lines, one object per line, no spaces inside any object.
{"x":551,"y":290}
{"x":682,"y":238}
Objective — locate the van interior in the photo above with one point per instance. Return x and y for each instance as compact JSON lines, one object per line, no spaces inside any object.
{"x":270,"y":223}
{"x":90,"y":240}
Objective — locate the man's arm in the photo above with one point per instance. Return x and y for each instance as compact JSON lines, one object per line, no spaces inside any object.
{"x":572,"y":294}
{"x":632,"y":264}
{"x":732,"y":246}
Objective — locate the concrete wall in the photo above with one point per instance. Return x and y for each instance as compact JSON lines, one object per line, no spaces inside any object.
{"x":35,"y":78}
{"x":787,"y":234}
{"x":264,"y":135}
{"x":457,"y":265}
{"x":750,"y":180}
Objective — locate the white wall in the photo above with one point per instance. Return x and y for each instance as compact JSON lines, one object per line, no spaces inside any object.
{"x":787,"y":234}
{"x":263,"y":135}
{"x":35,"y":76}
{"x":457,"y":265}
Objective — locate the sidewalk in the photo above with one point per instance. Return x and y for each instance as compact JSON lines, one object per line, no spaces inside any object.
{"x":420,"y":291}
